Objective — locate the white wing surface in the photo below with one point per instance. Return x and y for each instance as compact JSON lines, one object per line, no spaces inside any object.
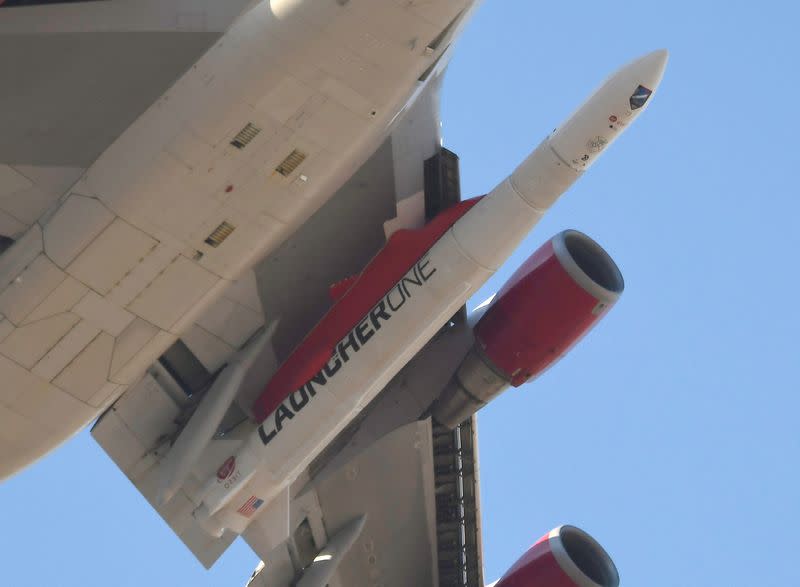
{"x":391,"y":481}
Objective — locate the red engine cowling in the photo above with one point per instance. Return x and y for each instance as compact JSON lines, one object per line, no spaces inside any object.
{"x":565,"y":557}
{"x":546,"y":307}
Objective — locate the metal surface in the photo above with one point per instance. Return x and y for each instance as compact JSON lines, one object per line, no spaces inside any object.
{"x":392,"y":482}
{"x":474,"y":384}
{"x":204,"y":423}
{"x":97,"y":99}
{"x":134,"y":434}
{"x":182,"y":173}
{"x":457,"y":505}
{"x":293,"y":280}
{"x":120,"y":266}
{"x":320,"y":572}
{"x":338,"y":245}
{"x":442,"y":183}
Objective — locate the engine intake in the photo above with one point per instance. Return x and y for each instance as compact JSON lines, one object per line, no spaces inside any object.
{"x":546,"y":307}
{"x":565,"y":557}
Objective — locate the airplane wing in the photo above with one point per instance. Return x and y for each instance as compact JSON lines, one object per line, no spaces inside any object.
{"x":289,"y":291}
{"x":102,"y":276}
{"x":75,"y":75}
{"x":272,"y":416}
{"x":417,"y":492}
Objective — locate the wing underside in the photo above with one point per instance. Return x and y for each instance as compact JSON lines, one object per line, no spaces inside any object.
{"x":81,"y":73}
{"x":417,"y":486}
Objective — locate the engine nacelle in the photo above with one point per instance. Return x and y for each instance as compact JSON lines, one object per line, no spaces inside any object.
{"x":546,"y":307}
{"x":565,"y":557}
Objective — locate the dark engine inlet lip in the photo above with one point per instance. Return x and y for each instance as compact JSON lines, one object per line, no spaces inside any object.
{"x":582,"y":558}
{"x":589,"y":265}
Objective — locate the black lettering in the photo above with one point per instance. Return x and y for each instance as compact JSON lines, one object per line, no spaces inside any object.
{"x":398,"y":289}
{"x":350,"y":341}
{"x":265,"y":438}
{"x":310,"y":390}
{"x":357,"y":338}
{"x":364,"y":332}
{"x":406,"y":280}
{"x":298,"y":404}
{"x":329,"y":370}
{"x":422,"y":265}
{"x":379,"y":311}
{"x":281,"y":414}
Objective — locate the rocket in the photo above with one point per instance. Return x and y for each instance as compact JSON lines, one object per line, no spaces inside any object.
{"x":405,"y":295}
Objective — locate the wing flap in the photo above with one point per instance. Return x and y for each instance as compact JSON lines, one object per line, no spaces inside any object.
{"x":392,"y":484}
{"x":136,"y":433}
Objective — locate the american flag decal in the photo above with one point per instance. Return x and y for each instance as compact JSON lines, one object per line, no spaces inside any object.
{"x":250,"y":506}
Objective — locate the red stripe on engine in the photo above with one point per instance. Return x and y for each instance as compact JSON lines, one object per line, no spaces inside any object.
{"x":537,"y":316}
{"x":537,"y":568}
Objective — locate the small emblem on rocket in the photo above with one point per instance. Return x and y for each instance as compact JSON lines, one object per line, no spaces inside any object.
{"x":226,"y":469}
{"x":596,"y":144}
{"x":639,"y":97}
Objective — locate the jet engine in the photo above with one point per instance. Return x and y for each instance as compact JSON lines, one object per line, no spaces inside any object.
{"x":546,"y":307}
{"x":565,"y":557}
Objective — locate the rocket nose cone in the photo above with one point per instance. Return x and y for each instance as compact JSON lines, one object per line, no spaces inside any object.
{"x":604,"y":116}
{"x":649,"y":69}
{"x":658,"y":56}
{"x":662,"y":54}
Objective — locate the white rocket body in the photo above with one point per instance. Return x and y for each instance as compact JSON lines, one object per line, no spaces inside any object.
{"x":452,"y":270}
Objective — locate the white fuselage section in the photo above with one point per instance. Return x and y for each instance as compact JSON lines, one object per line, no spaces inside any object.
{"x":225,"y":166}
{"x":402,"y":322}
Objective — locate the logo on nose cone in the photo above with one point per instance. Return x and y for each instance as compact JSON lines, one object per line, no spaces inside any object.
{"x":640,"y":97}
{"x":226,"y":469}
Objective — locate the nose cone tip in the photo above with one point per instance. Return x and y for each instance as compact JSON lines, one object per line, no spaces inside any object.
{"x":662,"y":54}
{"x":659,"y":59}
{"x":656,"y":60}
{"x":649,"y":69}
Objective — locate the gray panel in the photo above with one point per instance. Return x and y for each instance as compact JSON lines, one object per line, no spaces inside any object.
{"x":391,"y":482}
{"x":121,"y":16}
{"x":15,"y":3}
{"x":416,"y":138}
{"x":135,"y":434}
{"x":405,"y":399}
{"x":338,"y":241}
{"x":66,"y":97}
{"x":341,"y":238}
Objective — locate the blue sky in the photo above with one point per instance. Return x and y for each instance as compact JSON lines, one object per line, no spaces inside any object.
{"x":671,"y":432}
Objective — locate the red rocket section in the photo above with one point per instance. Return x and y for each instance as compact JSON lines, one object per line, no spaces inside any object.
{"x":404,"y":248}
{"x":538,"y":315}
{"x":337,"y":290}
